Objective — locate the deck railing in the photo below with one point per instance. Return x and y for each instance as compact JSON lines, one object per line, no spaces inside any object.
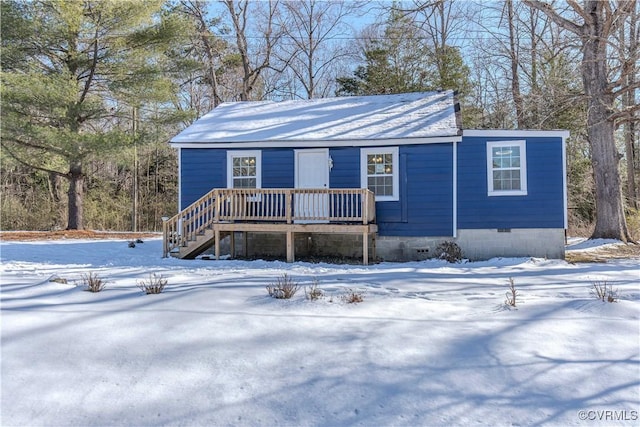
{"x":277,"y":205}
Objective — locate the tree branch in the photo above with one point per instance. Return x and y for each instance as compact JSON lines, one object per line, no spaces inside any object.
{"x":29,"y":165}
{"x":579,"y":10}
{"x":626,"y":114}
{"x":92,"y":71}
{"x":53,"y":150}
{"x":630,"y":87}
{"x":555,"y":17}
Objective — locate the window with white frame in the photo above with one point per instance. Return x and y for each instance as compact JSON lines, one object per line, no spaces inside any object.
{"x":379,"y":172}
{"x":244,"y":169}
{"x":507,"y":168}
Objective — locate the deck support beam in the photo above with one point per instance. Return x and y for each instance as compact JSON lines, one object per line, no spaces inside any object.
{"x":365,"y":248}
{"x":216,"y":238}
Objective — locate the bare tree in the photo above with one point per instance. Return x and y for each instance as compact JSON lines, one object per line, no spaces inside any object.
{"x":210,"y":45}
{"x":515,"y":77}
{"x":444,"y":24}
{"x":595,"y":24}
{"x":312,"y":46}
{"x":253,"y":63}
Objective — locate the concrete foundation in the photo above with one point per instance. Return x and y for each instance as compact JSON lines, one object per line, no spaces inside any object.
{"x":520,"y":242}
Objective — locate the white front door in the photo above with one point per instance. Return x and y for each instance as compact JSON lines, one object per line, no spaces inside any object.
{"x":312,"y":172}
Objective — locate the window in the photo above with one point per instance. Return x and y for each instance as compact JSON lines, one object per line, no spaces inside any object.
{"x":244,"y":169}
{"x":507,"y":168}
{"x":379,"y":172}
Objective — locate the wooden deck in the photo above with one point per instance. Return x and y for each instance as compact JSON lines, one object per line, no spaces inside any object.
{"x":288,"y":211}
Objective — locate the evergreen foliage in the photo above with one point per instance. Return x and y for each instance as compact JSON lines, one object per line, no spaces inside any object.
{"x":72,"y":77}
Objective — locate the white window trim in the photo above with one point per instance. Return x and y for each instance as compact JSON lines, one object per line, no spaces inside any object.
{"x":523,"y":168}
{"x":395,"y":173}
{"x":244,"y":153}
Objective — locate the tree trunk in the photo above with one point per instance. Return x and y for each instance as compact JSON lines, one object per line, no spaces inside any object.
{"x":515,"y":77}
{"x":628,"y":101}
{"x":76,"y":193}
{"x":595,"y":33}
{"x":610,"y":219}
{"x":629,"y":141}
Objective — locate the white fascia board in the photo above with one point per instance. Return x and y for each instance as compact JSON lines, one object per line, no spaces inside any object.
{"x":514,"y":133}
{"x":318,"y":144}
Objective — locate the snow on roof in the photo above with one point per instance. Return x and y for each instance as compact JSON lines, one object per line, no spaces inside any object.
{"x":408,"y":115}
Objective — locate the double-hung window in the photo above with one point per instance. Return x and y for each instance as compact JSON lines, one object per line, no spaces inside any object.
{"x":379,"y":172}
{"x":507,"y":168}
{"x":244,"y":169}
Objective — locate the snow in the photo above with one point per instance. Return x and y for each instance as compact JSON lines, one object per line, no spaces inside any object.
{"x":409,"y":115}
{"x":431,"y":344}
{"x":583,"y":244}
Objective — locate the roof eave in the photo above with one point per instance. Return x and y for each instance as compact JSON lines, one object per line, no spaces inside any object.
{"x":318,"y":143}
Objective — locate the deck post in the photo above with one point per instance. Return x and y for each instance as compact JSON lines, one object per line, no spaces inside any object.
{"x":290,"y":248}
{"x":365,"y":248}
{"x":288,"y":205}
{"x":165,"y":238}
{"x":218,"y":206}
{"x":216,"y":239}
{"x":365,"y":207}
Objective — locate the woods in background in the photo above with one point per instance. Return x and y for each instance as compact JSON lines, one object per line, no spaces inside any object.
{"x":92,"y":91}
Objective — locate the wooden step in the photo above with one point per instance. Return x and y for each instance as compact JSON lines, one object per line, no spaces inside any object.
{"x":195,"y":247}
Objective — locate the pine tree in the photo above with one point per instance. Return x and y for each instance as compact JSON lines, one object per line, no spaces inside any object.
{"x":69,"y":73}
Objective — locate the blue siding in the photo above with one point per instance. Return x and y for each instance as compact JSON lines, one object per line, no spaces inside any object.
{"x":346,"y":168}
{"x":542,"y":207}
{"x":278,"y":168}
{"x":201,"y":170}
{"x":425,"y":207}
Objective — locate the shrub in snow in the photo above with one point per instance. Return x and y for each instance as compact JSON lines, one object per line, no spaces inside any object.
{"x":352,"y":296}
{"x":512,"y":293}
{"x":284,"y":287}
{"x":93,"y":283}
{"x":604,"y":292}
{"x":313,"y":293}
{"x":154,"y":285}
{"x":449,"y":251}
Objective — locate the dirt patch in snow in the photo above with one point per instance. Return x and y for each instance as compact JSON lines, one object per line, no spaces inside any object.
{"x":605,"y":253}
{"x":73,"y":234}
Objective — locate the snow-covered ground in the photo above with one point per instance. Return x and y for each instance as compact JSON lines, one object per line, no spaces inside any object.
{"x":431,"y":344}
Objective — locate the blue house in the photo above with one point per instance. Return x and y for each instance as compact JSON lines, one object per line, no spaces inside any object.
{"x":384,"y":176}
